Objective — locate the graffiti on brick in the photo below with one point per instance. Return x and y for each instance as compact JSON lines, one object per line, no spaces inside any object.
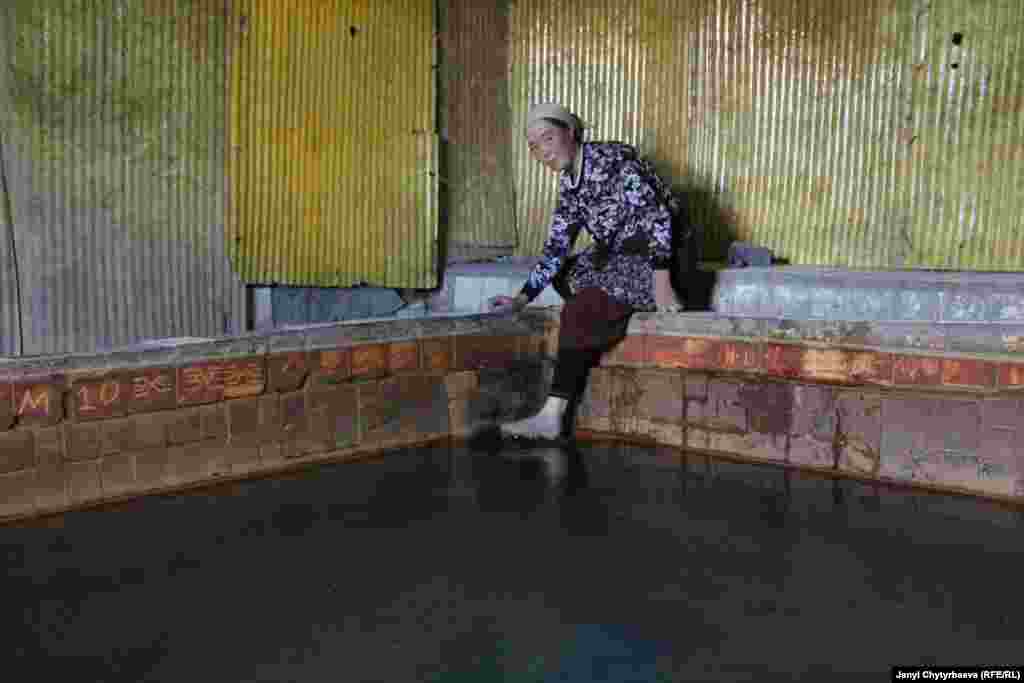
{"x":33,"y":401}
{"x":208,"y":382}
{"x":98,"y":397}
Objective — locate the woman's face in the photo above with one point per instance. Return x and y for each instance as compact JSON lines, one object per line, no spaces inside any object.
{"x":551,"y":145}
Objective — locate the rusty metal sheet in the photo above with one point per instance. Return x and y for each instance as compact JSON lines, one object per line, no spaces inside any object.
{"x":476,"y":126}
{"x":333,"y":163}
{"x":834,"y":133}
{"x":116,"y":171}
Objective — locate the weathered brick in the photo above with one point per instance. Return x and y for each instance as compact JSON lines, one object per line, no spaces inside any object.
{"x":333,"y":415}
{"x":6,"y":405}
{"x":825,"y":365}
{"x":630,"y":352}
{"x":784,"y":360}
{"x":814,"y":411}
{"x":769,"y":406}
{"x":287,"y":371}
{"x":184,"y":426}
{"x":870,"y":367}
{"x":811,"y":451}
{"x":17,"y":450}
{"x":193,"y":462}
{"x":860,"y":432}
{"x":17,"y":493}
{"x":1011,"y":375}
{"x":49,"y":445}
{"x":242,"y":459}
{"x":741,"y":357}
{"x":123,"y":393}
{"x":84,"y":484}
{"x":917,"y":371}
{"x":152,"y":468}
{"x":476,"y":351}
{"x":51,"y":487}
{"x":294,"y":413}
{"x":369,"y":361}
{"x":661,"y":399}
{"x":213,"y":381}
{"x":624,"y":401}
{"x":596,"y":399}
{"x":436,"y":354}
{"x":215,"y":421}
{"x":152,"y":389}
{"x":100,"y":398}
{"x":412,"y":405}
{"x":695,"y":385}
{"x":724,"y":409}
{"x":461,"y":384}
{"x":39,"y":403}
{"x":133,"y":433}
{"x":244,"y":419}
{"x":303,"y":444}
{"x":403,"y":356}
{"x":970,"y":373}
{"x":117,"y":474}
{"x":271,"y":455}
{"x":904,"y":451}
{"x":333,"y":366}
{"x":663,"y":432}
{"x":532,"y":346}
{"x":83,"y":441}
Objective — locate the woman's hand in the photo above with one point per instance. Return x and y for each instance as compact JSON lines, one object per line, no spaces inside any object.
{"x":507,"y":304}
{"x":664,"y":295}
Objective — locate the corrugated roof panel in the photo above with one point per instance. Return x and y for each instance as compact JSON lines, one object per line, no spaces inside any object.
{"x":116,"y":172}
{"x":334,"y":163}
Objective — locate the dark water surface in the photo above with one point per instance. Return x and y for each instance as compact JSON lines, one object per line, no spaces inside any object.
{"x":440,"y":564}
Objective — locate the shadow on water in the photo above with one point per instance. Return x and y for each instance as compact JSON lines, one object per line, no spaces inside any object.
{"x":586,"y":562}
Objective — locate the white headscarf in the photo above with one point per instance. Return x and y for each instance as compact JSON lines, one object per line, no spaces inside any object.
{"x":550,"y":110}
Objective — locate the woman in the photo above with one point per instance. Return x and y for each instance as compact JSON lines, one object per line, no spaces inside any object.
{"x":607,"y":190}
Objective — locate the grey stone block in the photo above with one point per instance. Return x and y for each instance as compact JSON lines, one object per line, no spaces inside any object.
{"x":916,"y":304}
{"x":963,"y":304}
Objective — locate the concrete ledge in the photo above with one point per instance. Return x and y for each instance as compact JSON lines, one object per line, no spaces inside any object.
{"x":804,"y":292}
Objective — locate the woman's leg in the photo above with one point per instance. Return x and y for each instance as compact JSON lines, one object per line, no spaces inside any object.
{"x":591,"y":324}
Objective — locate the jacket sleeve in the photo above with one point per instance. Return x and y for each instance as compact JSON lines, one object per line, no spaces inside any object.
{"x":647,"y":225}
{"x":565,"y":226}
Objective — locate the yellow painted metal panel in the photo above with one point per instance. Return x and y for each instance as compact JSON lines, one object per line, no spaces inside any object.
{"x":834,"y":133}
{"x":333,"y":163}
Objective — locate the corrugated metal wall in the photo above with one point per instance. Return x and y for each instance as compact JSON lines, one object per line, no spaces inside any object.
{"x":835,"y":133}
{"x":10,"y":313}
{"x":477,"y":128}
{"x":115,"y":161}
{"x":334,"y":145}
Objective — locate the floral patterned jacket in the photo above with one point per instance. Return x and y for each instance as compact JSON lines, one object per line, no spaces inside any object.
{"x":624,"y":206}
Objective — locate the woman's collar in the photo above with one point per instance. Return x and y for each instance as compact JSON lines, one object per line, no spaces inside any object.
{"x":577,"y":169}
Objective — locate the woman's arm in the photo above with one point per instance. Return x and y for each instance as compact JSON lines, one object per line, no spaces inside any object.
{"x":565,"y":226}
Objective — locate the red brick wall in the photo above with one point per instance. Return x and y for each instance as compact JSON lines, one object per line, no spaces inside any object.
{"x":85,"y":436}
{"x":78,"y":438}
{"x":935,"y":420}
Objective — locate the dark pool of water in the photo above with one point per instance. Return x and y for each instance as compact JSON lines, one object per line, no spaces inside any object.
{"x":442,"y":564}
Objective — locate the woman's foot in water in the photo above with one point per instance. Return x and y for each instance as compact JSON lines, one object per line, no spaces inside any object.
{"x":547,"y":424}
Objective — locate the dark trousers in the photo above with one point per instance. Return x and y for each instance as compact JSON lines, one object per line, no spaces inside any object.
{"x":591,"y":324}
